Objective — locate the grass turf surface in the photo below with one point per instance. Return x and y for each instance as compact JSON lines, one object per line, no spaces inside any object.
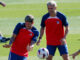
{"x":15,"y":12}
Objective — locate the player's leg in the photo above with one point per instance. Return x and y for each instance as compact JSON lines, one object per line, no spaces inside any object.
{"x":65,"y":57}
{"x":12,"y":56}
{"x":51,"y":50}
{"x":63,"y":52}
{"x":22,"y":58}
{"x":50,"y":57}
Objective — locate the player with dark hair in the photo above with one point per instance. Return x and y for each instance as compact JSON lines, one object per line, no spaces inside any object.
{"x":23,"y":39}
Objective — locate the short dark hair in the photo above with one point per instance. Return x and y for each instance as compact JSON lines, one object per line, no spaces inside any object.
{"x":29,"y":18}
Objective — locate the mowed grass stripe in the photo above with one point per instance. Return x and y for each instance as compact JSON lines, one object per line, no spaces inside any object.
{"x":38,"y":10}
{"x":35,"y":57}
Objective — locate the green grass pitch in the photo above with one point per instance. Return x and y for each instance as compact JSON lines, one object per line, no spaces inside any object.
{"x":16,"y":10}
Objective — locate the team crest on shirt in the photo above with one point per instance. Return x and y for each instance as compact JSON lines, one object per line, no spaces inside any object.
{"x":57,"y":22}
{"x":30,"y":34}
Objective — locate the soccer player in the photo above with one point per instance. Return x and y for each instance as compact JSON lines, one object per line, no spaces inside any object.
{"x":54,"y":22}
{"x":23,"y":39}
{"x":3,"y":39}
{"x":3,"y":4}
{"x":75,"y":54}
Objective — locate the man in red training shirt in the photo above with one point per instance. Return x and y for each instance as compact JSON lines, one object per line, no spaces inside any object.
{"x":54,"y":22}
{"x":23,"y":39}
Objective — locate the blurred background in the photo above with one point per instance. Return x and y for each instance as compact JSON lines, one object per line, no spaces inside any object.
{"x":16,"y":10}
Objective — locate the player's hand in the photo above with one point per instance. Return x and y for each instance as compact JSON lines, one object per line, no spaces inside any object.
{"x":38,"y":42}
{"x":30,"y":47}
{"x":73,"y":56}
{"x":6,"y":46}
{"x":63,"y":41}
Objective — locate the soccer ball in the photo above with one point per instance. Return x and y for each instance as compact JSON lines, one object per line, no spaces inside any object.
{"x":43,"y":53}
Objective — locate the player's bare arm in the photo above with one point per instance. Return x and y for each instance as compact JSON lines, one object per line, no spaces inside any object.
{"x":66,"y":32}
{"x":11,"y":41}
{"x":30,"y":47}
{"x":41,"y":35}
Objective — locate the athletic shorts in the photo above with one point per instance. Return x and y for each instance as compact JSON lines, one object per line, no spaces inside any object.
{"x":13,"y":56}
{"x":62,"y":49}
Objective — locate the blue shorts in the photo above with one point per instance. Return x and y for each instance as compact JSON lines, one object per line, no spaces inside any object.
{"x":62,"y":49}
{"x":13,"y":56}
